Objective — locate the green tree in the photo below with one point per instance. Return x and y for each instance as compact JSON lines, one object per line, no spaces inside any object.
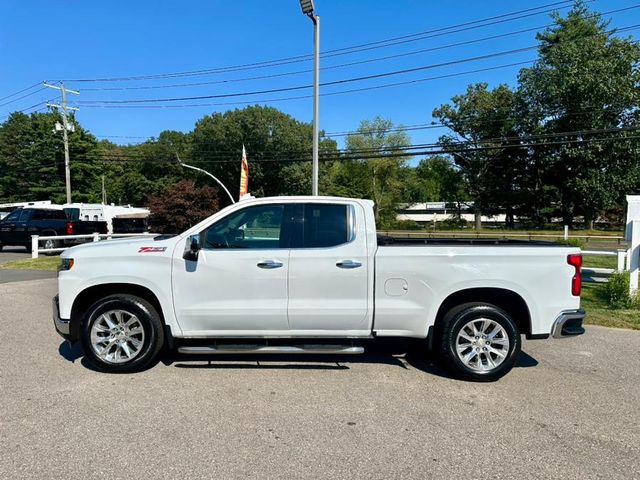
{"x":483,"y":125}
{"x":585,"y":78}
{"x":434,"y":179}
{"x":32,"y":160}
{"x":366,"y":172}
{"x":278,"y":146}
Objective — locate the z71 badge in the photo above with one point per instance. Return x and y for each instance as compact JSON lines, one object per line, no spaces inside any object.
{"x":151,"y":249}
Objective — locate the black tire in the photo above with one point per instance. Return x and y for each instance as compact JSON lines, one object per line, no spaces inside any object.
{"x":460,"y":316}
{"x":50,"y":243}
{"x":151,"y":324}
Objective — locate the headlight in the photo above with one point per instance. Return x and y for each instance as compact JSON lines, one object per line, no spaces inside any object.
{"x":66,"y":264}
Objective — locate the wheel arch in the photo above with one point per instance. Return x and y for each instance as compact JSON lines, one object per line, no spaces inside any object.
{"x":90,"y":295}
{"x":505,"y":299}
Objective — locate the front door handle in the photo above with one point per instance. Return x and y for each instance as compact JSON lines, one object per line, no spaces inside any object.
{"x":348,"y":264}
{"x":269,"y":264}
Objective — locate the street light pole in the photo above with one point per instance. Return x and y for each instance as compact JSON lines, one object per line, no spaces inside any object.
{"x":308,"y":9}
{"x":206,"y":173}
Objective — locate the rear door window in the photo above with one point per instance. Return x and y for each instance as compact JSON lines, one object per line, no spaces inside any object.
{"x":325,"y":225}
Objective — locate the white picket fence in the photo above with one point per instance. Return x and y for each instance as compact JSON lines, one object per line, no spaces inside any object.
{"x":95,"y":237}
{"x":597,"y":274}
{"x":628,"y":260}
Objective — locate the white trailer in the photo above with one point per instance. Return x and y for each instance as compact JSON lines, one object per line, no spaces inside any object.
{"x":108,"y":213}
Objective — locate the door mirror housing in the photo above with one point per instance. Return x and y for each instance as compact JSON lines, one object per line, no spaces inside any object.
{"x":195,"y":245}
{"x":237,"y":235}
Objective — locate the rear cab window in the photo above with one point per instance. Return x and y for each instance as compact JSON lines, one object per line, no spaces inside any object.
{"x":48,"y":214}
{"x":325,"y":225}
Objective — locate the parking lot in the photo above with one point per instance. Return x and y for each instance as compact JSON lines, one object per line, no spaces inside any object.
{"x":570,"y":410}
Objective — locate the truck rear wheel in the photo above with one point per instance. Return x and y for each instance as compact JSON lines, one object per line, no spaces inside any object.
{"x":121,"y":334}
{"x":479,"y":342}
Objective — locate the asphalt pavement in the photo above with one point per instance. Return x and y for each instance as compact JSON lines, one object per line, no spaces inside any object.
{"x":569,"y":410}
{"x":9,"y":254}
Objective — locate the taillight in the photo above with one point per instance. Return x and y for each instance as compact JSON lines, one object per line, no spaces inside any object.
{"x":69,"y":228}
{"x":575,"y":260}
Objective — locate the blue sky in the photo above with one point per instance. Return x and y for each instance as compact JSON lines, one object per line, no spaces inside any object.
{"x":84,"y":40}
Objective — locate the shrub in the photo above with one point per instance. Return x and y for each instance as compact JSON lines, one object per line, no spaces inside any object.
{"x":452,"y":223}
{"x":181,"y":206}
{"x":393,"y":224}
{"x":572,"y":242}
{"x":617,"y":291}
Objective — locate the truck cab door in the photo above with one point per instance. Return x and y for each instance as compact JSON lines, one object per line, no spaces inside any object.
{"x":8,"y":234}
{"x":22,"y":236}
{"x":238,"y":283}
{"x":329,"y":272}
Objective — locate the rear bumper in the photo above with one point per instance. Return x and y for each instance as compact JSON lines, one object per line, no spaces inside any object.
{"x":568,"y":324}
{"x":66,"y":328}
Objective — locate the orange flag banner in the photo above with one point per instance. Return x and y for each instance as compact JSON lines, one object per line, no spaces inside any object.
{"x":244,"y":174}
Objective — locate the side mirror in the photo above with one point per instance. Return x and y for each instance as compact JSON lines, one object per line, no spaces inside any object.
{"x":237,"y":235}
{"x":191,"y":253}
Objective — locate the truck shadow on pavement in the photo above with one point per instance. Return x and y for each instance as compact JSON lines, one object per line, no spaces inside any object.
{"x":394,"y":353}
{"x":397,"y":354}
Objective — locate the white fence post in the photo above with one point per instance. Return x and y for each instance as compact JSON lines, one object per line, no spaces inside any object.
{"x":96,"y":237}
{"x":566,"y":232}
{"x":622,"y":255}
{"x":34,"y":246}
{"x":634,"y":253}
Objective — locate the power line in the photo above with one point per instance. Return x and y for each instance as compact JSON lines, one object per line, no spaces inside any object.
{"x":348,"y":50}
{"x":325,"y":94}
{"x":404,"y":150}
{"x":441,"y":151}
{"x":324,"y":84}
{"x":20,"y":91}
{"x":331,"y":67}
{"x":398,"y":128}
{"x":29,"y":108}
{"x":334,"y":82}
{"x":359,"y":62}
{"x":23,"y":96}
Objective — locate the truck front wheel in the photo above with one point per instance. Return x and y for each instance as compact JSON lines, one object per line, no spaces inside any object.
{"x":121,"y":334}
{"x":479,"y":341}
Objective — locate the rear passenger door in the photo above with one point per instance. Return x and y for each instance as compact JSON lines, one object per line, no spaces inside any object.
{"x":328,"y":272}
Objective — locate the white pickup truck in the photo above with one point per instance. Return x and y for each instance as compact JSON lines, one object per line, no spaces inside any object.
{"x":311,"y":275}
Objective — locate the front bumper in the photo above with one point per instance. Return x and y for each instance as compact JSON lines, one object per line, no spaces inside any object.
{"x":568,"y":324}
{"x":66,"y":328}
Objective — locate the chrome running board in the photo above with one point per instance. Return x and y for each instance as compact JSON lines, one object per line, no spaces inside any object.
{"x":271,"y":349}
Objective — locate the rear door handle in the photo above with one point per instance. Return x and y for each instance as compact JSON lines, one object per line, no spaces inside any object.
{"x":348,"y":264}
{"x":269,"y":264}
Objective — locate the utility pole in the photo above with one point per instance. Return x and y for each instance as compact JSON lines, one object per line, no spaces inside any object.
{"x":65,"y":128}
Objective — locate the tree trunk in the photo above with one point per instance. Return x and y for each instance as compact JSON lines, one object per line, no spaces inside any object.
{"x":509,"y":221}
{"x":478,"y":218}
{"x":588,"y":219}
